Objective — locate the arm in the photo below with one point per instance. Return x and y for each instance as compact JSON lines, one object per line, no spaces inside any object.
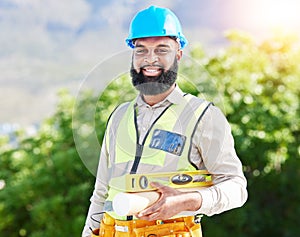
{"x":216,"y":146}
{"x":99,"y":194}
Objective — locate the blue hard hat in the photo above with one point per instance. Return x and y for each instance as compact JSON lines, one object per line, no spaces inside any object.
{"x":155,"y":21}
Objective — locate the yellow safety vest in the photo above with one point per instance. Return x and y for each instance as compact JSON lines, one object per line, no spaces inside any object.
{"x":166,"y":146}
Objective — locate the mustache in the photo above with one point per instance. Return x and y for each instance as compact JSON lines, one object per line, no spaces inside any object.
{"x":152,"y":65}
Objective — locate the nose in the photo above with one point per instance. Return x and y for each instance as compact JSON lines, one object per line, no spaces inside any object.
{"x":151,"y":57}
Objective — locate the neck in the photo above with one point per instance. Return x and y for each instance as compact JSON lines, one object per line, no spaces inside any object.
{"x":154,"y":99}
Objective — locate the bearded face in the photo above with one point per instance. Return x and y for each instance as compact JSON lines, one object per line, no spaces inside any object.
{"x":154,"y":85}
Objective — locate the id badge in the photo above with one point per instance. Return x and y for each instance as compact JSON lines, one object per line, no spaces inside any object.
{"x":168,"y":141}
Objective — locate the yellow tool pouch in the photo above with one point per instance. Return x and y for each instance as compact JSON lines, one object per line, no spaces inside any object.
{"x":167,"y":229}
{"x":179,"y":227}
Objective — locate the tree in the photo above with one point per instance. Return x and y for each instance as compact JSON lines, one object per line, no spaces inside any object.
{"x":260,"y":85}
{"x":47,"y":187}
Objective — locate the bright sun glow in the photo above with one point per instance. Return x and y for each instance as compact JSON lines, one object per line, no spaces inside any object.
{"x":281,"y":13}
{"x":271,"y":14}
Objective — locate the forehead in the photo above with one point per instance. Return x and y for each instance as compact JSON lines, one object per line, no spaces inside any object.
{"x":156,"y":41}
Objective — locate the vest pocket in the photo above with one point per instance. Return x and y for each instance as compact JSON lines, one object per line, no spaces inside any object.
{"x":122,"y":234}
{"x":183,"y":234}
{"x":106,"y":230}
{"x":167,"y":229}
{"x":196,"y":230}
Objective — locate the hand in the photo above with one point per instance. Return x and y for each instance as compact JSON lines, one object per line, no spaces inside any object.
{"x":170,"y":203}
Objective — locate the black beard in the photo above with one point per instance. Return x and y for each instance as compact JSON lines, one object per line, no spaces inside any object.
{"x":154,"y":85}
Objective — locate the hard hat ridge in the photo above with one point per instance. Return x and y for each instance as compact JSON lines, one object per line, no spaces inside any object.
{"x":153,"y":22}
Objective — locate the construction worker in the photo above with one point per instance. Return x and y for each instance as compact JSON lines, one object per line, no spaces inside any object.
{"x":164,"y":130}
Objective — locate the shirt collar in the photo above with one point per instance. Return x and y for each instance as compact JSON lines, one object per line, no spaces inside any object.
{"x":174,"y":97}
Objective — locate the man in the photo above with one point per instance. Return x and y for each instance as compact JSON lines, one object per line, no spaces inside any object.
{"x":138,"y":134}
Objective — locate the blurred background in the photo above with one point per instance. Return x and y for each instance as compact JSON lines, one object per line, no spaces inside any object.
{"x":242,"y":55}
{"x":47,"y":46}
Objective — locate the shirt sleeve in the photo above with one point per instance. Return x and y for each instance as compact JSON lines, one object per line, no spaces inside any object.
{"x":99,"y":194}
{"x":214,"y":143}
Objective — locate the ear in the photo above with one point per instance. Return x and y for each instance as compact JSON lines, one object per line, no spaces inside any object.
{"x":179,"y":54}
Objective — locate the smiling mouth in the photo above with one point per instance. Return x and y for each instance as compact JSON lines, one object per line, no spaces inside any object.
{"x":151,"y":71}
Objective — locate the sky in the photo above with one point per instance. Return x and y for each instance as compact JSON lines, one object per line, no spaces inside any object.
{"x":45,"y":46}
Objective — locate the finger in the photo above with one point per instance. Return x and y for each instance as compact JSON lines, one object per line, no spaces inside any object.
{"x":150,"y":210}
{"x":154,"y":216}
{"x":159,"y":186}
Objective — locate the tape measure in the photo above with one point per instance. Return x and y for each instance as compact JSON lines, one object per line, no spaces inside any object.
{"x":180,"y":179}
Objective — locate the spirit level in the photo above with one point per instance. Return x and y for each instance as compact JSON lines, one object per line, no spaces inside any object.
{"x":180,"y":179}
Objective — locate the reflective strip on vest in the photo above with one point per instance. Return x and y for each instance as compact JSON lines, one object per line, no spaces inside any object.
{"x":122,"y":140}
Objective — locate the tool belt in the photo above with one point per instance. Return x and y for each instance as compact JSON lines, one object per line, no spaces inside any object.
{"x":179,"y":227}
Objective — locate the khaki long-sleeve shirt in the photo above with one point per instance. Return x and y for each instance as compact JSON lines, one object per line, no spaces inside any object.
{"x":212,"y":149}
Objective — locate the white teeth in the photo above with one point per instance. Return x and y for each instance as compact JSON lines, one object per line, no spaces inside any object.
{"x":151,"y":70}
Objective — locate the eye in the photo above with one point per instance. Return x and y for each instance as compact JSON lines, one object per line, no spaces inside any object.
{"x":161,"y":51}
{"x":141,"y":51}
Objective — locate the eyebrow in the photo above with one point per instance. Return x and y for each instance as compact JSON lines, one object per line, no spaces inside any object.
{"x":158,"y":46}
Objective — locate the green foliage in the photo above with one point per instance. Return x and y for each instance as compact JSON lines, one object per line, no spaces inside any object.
{"x":47,"y":188}
{"x":260,"y":87}
{"x":48,"y":177}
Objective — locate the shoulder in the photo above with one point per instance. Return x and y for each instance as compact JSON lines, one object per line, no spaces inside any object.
{"x":215,"y":112}
{"x":214,"y":118}
{"x":118,"y":111}
{"x":193,"y":98}
{"x":210,"y":113}
{"x":121,"y":108}
{"x":196,"y":102}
